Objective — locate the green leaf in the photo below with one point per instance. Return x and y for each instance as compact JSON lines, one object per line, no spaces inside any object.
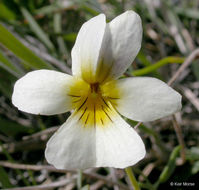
{"x":4,"y":178}
{"x":27,"y":56}
{"x":170,"y":167}
{"x":7,"y":65}
{"x":37,"y":29}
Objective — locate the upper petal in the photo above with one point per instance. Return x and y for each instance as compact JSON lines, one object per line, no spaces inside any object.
{"x":43,"y":92}
{"x":77,"y":146}
{"x":145,"y":98}
{"x":104,"y":51}
{"x":123,"y":42}
{"x":85,"y":53}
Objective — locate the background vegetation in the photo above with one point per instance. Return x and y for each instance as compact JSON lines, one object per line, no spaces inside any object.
{"x":37,"y":34}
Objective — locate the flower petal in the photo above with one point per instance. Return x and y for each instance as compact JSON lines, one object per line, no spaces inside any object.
{"x":125,"y":33}
{"x":72,"y":146}
{"x":43,"y":92}
{"x":118,"y":145}
{"x":85,"y":53}
{"x":146,"y":99}
{"x":104,"y":51}
{"x":75,"y":146}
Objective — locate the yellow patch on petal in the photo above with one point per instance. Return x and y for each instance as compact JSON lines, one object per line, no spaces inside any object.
{"x":111,"y":91}
{"x":95,"y":75}
{"x":94,"y":103}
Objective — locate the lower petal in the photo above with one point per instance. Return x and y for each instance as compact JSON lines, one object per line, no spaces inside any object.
{"x":118,"y":145}
{"x":75,"y":146}
{"x":72,"y":146}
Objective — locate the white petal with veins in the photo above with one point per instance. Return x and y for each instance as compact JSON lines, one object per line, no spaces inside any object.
{"x":118,"y":145}
{"x":147,"y":99}
{"x":43,"y":92}
{"x":74,"y":146}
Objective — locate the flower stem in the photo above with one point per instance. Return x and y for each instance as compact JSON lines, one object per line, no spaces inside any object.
{"x":79,"y":179}
{"x":155,"y":66}
{"x":132,"y":178}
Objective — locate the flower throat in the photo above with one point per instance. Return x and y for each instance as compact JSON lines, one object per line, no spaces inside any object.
{"x":93,"y":106}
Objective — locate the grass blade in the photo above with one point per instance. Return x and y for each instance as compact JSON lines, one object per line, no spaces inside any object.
{"x":7,"y":65}
{"x":4,"y":178}
{"x":21,"y":51}
{"x":37,"y":29}
{"x":169,"y":168}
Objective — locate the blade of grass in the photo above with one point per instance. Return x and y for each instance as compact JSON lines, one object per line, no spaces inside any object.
{"x":143,"y":59}
{"x":58,"y":29}
{"x":71,"y":37}
{"x":6,"y":83}
{"x":79,"y":179}
{"x":4,"y":179}
{"x":56,"y":6}
{"x":86,"y":187}
{"x":147,"y":182}
{"x":37,"y":29}
{"x":7,"y":65}
{"x":170,"y":167}
{"x":49,"y":9}
{"x":29,"y":59}
{"x":188,"y":12}
{"x":6,"y":13}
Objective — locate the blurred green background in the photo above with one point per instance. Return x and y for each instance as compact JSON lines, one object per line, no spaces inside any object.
{"x":36,"y":34}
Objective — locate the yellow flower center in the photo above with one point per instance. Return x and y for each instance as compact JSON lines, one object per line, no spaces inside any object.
{"x":94,"y":103}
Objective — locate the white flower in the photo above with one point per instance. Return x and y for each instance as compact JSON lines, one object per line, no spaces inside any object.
{"x":95,"y":135}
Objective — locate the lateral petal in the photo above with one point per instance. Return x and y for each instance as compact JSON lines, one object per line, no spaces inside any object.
{"x":43,"y":92}
{"x":146,"y":99}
